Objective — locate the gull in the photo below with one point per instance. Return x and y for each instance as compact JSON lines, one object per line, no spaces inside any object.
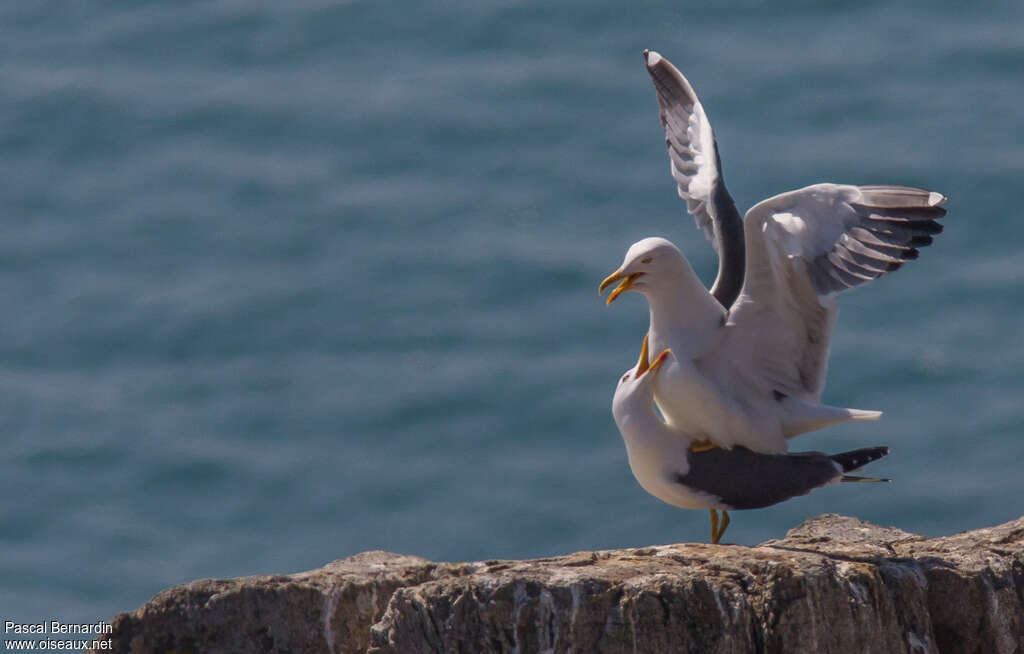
{"x":717,"y":479}
{"x":750,"y":356}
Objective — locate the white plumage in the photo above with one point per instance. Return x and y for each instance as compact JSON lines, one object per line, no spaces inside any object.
{"x":665,"y":465}
{"x":750,"y":356}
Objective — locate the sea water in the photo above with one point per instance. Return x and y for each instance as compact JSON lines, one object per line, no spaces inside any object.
{"x":283,"y":282}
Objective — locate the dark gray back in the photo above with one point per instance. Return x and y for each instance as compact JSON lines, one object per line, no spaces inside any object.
{"x":743,"y":479}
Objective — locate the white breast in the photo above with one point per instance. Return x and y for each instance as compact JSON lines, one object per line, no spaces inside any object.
{"x":656,"y":469}
{"x":657,"y":456}
{"x":694,"y":402}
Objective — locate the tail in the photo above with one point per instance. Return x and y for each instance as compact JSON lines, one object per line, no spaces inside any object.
{"x":860,"y":415}
{"x":800,"y":416}
{"x":855,"y":459}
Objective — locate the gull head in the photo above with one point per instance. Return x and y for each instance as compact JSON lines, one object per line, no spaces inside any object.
{"x":647,"y":263}
{"x":634,"y":396}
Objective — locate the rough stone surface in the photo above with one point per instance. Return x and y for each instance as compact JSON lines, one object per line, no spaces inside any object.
{"x":834,"y":584}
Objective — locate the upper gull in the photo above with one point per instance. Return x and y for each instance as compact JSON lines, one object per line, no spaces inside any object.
{"x":749,"y":357}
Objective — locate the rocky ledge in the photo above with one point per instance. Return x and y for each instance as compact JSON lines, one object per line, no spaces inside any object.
{"x":834,"y":584}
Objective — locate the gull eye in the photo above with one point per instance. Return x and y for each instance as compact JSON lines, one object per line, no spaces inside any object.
{"x":625,"y":377}
{"x":646,"y":260}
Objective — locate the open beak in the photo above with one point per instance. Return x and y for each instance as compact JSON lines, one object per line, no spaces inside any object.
{"x":626,"y":283}
{"x":643,"y":367}
{"x":660,"y":360}
{"x":643,"y":364}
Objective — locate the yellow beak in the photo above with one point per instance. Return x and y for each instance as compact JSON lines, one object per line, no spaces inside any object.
{"x":660,"y":360}
{"x":626,"y":283}
{"x":642,"y":367}
{"x":644,"y":363}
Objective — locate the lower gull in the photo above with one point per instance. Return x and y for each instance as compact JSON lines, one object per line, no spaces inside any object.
{"x":666,"y":466}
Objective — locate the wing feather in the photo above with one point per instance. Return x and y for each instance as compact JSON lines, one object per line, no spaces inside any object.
{"x":696,"y":168}
{"x":803,"y":247}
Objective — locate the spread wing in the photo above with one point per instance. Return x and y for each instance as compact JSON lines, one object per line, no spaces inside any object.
{"x":804,"y":247}
{"x":695,"y":165}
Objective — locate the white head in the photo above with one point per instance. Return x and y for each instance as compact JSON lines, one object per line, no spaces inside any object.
{"x":648,"y":263}
{"x":634,"y":396}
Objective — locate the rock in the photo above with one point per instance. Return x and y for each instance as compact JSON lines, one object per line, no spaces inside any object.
{"x":834,"y":584}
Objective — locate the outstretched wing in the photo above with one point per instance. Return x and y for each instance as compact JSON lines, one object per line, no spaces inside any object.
{"x":804,"y":247}
{"x":693,"y":155}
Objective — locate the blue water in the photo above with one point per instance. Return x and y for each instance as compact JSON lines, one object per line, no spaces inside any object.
{"x":288,"y":281}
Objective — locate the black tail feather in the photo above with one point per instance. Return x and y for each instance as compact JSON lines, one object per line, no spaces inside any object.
{"x":854,"y":459}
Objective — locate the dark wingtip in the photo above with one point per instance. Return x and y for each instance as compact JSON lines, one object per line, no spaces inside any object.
{"x":850,"y":461}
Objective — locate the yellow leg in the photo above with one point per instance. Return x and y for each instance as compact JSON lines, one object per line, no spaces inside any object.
{"x":702,"y":446}
{"x":718,"y":527}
